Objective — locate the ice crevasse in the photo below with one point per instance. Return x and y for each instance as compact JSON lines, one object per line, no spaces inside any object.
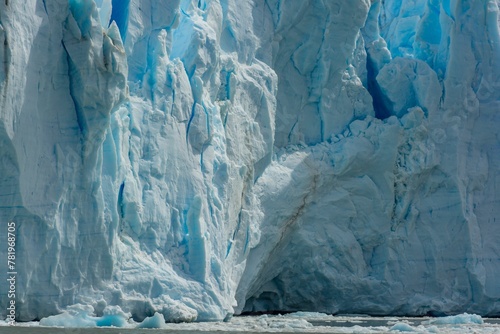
{"x":203,"y":158}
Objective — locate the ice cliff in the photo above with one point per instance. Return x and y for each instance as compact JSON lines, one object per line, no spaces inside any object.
{"x":200,"y":158}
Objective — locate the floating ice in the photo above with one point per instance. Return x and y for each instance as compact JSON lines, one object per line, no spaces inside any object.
{"x":82,"y":316}
{"x":403,"y":327}
{"x":278,"y":323}
{"x":308,"y":315}
{"x":156,"y":321}
{"x":460,"y":319}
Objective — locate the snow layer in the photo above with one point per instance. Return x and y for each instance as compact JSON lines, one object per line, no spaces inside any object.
{"x":201,"y":158}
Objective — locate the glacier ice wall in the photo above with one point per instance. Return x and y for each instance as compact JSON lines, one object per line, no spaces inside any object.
{"x":203,"y":158}
{"x":395,"y":216}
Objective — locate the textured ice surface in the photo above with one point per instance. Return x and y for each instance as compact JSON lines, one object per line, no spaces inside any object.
{"x":459,"y":319}
{"x":156,"y":321}
{"x":201,"y":158}
{"x":79,"y":316}
{"x":403,"y":327}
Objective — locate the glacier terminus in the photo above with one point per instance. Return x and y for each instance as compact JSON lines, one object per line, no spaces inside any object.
{"x":204,"y":158}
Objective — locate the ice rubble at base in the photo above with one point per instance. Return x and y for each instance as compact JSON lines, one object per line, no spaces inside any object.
{"x":80,"y":316}
{"x":200,"y":158}
{"x":300,"y":322}
{"x":458,"y":320}
{"x":431,"y":326}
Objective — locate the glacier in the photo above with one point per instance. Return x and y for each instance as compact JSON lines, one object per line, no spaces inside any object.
{"x":204,"y":158}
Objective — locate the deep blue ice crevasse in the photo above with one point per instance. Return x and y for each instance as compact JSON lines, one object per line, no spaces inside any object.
{"x":80,"y":119}
{"x":377,"y":57}
{"x":119,"y":14}
{"x":202,"y":4}
{"x":188,"y":127}
{"x":381,"y":111}
{"x":5,"y":53}
{"x":120,"y":203}
{"x":45,"y":7}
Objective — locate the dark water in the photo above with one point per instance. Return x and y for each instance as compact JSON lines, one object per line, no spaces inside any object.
{"x":358,"y":322}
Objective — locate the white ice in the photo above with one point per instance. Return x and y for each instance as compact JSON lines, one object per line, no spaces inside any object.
{"x":197,"y":159}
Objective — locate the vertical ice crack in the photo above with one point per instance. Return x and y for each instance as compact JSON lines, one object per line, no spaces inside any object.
{"x":45,"y":7}
{"x":73,"y":98}
{"x":6,"y":55}
{"x":188,"y":127}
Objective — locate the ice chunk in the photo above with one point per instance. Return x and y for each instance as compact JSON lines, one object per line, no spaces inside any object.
{"x":156,"y":321}
{"x":77,"y":315}
{"x":113,"y":316}
{"x":460,"y":319}
{"x":403,"y":327}
{"x":308,"y":315}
